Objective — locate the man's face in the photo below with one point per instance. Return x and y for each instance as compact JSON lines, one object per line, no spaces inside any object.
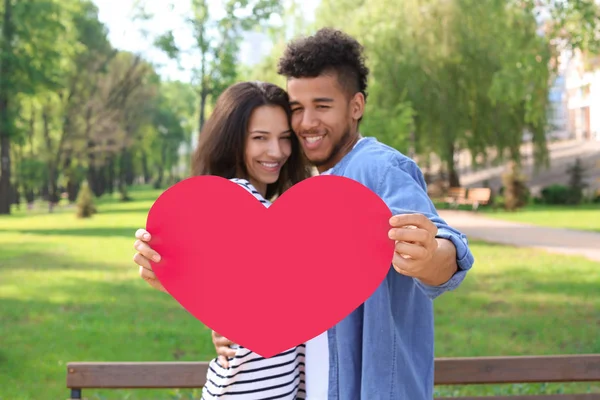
{"x":324,"y":118}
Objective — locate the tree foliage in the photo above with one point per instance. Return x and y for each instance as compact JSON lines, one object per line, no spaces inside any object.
{"x":74,"y":108}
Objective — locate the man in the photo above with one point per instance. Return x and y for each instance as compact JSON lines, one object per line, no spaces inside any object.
{"x":384,"y":349}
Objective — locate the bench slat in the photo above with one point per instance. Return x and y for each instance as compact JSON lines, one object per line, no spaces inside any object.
{"x":522,"y":369}
{"x":136,"y":375}
{"x":448,"y":371}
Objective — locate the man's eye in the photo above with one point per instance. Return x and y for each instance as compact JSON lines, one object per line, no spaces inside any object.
{"x":296,"y":109}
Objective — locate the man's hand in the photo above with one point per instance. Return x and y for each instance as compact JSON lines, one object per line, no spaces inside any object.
{"x":224,"y":352}
{"x":416,"y":247}
{"x":142,"y":259}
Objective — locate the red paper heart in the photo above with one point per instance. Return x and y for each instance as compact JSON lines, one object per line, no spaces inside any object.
{"x":270,"y":279}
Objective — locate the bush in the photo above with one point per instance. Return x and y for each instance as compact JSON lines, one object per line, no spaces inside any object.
{"x":555,"y":194}
{"x":577,"y":182}
{"x":85,"y":202}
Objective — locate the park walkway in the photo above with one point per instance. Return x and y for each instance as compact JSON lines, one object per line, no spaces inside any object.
{"x":564,"y":241}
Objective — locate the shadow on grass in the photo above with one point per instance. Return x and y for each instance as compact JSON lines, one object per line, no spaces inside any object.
{"x":98,"y":319}
{"x":94,"y":321}
{"x":100,"y":232}
{"x":37,"y":261}
{"x":134,"y":210}
{"x":108,"y":321}
{"x":143,"y":194}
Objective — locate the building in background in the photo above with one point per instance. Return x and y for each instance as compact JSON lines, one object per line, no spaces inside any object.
{"x":558,"y":124}
{"x":583,"y":96}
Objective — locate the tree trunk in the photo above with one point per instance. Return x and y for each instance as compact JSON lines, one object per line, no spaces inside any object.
{"x":92,"y":172}
{"x":110,"y":174}
{"x":29,"y":197}
{"x":453,"y":179}
{"x":15,"y":196}
{"x":101,"y":180}
{"x":203,"y":96}
{"x":5,"y":169}
{"x":72,"y":183}
{"x":145,"y":169}
{"x":52,"y":167}
{"x":44,"y":190}
{"x":5,"y":71}
{"x":125,"y":173}
{"x":128,"y":174}
{"x":203,"y":86}
{"x":161,"y":168}
{"x":92,"y":177}
{"x":72,"y":190}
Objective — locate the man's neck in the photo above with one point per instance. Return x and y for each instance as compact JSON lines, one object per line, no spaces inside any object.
{"x":341,"y":153}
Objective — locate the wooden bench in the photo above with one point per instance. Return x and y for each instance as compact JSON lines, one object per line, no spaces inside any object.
{"x":448,"y":371}
{"x":473,"y":197}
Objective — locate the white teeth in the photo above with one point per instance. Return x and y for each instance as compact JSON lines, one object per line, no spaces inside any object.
{"x":314,"y":139}
{"x":270,"y":165}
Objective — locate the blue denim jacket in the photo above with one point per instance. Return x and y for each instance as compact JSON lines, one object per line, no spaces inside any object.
{"x":384,"y":349}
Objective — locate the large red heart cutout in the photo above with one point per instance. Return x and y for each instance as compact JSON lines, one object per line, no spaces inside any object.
{"x":270,"y":278}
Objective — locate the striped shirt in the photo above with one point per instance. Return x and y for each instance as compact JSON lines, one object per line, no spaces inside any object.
{"x":252,"y":377}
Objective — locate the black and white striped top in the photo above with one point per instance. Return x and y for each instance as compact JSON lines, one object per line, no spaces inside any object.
{"x":252,"y":377}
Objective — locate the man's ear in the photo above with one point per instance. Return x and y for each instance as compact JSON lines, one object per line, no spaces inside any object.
{"x":357,"y":106}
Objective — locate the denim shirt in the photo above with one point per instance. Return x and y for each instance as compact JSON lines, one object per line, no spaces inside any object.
{"x":384,"y":349}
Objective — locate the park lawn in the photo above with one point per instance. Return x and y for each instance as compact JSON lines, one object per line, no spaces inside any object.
{"x":70,"y":292}
{"x":583,"y":217}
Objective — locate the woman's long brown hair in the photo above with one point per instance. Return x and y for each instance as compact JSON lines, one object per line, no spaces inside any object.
{"x":221,"y":145}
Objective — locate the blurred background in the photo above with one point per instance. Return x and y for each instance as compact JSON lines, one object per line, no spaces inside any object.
{"x":101,"y":103}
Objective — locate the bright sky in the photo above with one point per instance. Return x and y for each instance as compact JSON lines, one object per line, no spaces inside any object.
{"x":126,"y":35}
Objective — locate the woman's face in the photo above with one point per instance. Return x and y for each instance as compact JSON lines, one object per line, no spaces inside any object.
{"x":268,"y":146}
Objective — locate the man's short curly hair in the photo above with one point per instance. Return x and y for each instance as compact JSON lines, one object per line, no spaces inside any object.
{"x":328,"y":50}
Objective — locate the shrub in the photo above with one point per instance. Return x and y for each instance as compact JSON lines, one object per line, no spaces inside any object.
{"x":555,"y":194}
{"x":577,"y":182}
{"x":85,"y":202}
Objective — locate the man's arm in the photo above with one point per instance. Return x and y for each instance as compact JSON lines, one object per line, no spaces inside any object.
{"x":436,"y":255}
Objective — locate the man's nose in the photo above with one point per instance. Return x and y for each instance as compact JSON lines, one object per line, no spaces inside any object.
{"x":309,"y":120}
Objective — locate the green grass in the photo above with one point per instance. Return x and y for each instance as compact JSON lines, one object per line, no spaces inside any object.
{"x":70,"y":292}
{"x":583,"y":217}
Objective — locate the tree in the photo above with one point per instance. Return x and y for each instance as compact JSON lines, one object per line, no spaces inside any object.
{"x":216,"y":43}
{"x":577,"y":182}
{"x":516,"y":193}
{"x":36,"y":37}
{"x":473,"y":74}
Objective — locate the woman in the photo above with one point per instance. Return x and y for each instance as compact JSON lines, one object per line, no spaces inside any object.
{"x":247,"y":139}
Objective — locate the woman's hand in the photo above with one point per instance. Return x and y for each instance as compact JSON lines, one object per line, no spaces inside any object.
{"x":224,"y":352}
{"x":143,"y":256}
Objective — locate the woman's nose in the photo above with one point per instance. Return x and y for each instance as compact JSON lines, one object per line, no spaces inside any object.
{"x":274,"y":149}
